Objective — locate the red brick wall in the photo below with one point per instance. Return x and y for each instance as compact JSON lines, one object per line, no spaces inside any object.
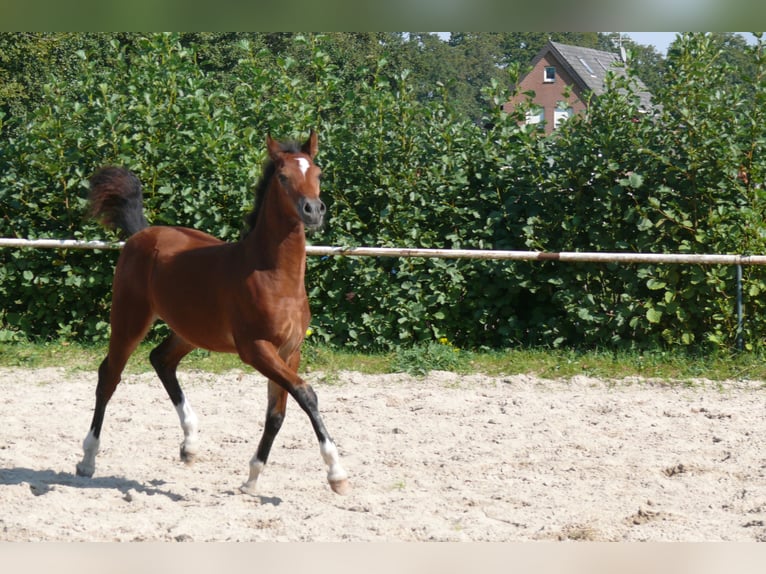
{"x":548,"y":95}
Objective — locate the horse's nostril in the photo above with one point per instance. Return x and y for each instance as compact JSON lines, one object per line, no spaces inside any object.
{"x":313,"y":207}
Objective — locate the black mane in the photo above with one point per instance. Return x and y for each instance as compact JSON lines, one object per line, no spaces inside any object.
{"x":263,"y":184}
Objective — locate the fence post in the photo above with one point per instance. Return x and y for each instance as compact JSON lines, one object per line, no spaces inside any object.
{"x":740,"y":342}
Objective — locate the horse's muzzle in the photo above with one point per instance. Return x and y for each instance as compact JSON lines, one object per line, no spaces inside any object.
{"x":312,"y":212}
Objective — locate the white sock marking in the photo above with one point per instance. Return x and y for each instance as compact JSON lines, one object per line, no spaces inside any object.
{"x":190,"y":424}
{"x":330,"y":455}
{"x":90,"y":449}
{"x":90,"y":445}
{"x":256,"y":468}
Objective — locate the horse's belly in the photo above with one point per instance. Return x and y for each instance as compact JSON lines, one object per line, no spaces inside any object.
{"x":203,"y":330}
{"x":195,"y":308}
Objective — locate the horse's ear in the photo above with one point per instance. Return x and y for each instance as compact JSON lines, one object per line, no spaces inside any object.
{"x":310,"y":147}
{"x":273,"y":147}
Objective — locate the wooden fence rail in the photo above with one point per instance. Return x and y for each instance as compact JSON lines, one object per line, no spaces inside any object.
{"x":565,"y":256}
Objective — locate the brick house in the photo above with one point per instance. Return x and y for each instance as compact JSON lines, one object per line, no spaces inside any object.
{"x":557,"y":66}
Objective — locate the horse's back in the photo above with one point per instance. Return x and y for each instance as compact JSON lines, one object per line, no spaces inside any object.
{"x":168,"y":241}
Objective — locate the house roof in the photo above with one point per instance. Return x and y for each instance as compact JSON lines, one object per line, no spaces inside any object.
{"x":589,"y":67}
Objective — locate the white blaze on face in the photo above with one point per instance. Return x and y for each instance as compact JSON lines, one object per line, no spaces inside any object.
{"x":303,"y":164}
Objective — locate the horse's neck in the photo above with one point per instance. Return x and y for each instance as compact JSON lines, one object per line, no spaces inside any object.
{"x":277,"y":243}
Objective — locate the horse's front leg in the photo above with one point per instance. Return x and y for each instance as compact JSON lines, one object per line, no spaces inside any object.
{"x":283,"y":380}
{"x":336,"y":474}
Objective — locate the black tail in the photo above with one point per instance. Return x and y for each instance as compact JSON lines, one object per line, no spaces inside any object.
{"x":117,"y":200}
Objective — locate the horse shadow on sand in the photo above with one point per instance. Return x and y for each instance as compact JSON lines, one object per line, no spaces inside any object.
{"x":41,"y":482}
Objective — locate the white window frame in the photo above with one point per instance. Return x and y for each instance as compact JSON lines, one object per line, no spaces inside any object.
{"x":535,"y":115}
{"x":561,"y":114}
{"x":549,"y":78}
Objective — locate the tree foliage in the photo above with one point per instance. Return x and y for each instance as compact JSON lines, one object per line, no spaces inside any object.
{"x":404,"y":165}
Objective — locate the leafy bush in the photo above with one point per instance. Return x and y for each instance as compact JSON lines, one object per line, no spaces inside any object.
{"x":399,"y":172}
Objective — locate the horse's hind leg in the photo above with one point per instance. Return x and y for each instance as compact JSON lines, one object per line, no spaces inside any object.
{"x":109,"y":373}
{"x":165,"y":359}
{"x":131,"y":318}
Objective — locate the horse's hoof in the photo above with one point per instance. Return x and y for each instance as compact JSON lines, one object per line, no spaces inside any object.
{"x":188,"y":456}
{"x":341,"y":487}
{"x":86,"y":471}
{"x":248,"y":489}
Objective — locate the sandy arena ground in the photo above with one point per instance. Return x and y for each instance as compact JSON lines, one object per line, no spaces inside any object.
{"x":445,"y":457}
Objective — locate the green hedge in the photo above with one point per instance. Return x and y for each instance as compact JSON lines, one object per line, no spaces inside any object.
{"x":398,"y":172}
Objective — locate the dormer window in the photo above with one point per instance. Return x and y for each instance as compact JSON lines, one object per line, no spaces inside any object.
{"x":549,"y":75}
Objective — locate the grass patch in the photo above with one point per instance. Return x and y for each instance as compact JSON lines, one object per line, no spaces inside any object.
{"x":78,"y":357}
{"x":554,"y":364}
{"x":602,"y":364}
{"x":316,"y":358}
{"x":432,"y":356}
{"x":51,"y":354}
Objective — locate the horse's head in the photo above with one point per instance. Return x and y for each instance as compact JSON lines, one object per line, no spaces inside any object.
{"x":298,"y":176}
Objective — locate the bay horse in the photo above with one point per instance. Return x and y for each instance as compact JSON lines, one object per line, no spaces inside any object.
{"x":246,"y":297}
